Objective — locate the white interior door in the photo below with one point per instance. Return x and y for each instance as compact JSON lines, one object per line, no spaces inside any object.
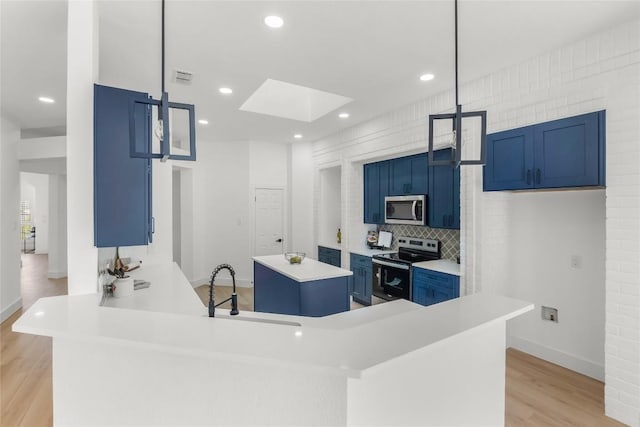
{"x":269,"y":221}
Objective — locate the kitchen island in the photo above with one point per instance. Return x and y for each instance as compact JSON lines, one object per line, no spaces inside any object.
{"x":151,"y":365}
{"x":311,"y":288}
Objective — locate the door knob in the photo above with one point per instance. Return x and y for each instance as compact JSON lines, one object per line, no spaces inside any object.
{"x":279,"y":240}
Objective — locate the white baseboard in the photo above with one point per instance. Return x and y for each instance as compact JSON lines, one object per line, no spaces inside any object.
{"x":566,"y":360}
{"x":12,"y":308}
{"x":240,"y":283}
{"x":56,"y":274}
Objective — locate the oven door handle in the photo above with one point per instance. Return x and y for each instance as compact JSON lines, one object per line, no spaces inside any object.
{"x":415,"y":213}
{"x":390,"y":264}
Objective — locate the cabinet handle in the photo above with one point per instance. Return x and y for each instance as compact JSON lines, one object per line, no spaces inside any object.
{"x":538,"y":176}
{"x":528,"y":176}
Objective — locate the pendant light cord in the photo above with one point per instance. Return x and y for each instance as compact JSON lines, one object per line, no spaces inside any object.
{"x":162,"y":49}
{"x":456,"y":50}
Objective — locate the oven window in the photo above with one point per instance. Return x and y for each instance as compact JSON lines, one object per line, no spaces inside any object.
{"x":395,"y":282}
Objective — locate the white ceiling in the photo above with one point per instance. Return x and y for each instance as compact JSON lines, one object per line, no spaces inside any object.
{"x":371,"y":51}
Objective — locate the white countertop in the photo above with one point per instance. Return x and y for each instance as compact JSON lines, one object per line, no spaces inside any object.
{"x":170,"y":292}
{"x":308,"y":270}
{"x":344,"y":343}
{"x":442,"y":265}
{"x":371,"y":252}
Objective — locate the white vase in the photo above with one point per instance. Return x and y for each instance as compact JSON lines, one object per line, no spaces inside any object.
{"x":123,"y":287}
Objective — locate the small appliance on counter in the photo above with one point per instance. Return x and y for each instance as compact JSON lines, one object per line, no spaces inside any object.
{"x":379,"y":241}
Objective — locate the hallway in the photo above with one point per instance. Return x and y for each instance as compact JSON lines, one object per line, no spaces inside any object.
{"x":25,"y":370}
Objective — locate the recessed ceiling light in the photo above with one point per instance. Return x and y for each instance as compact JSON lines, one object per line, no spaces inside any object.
{"x":343,"y":115}
{"x":203,"y":122}
{"x":225,"y":90}
{"x":297,"y":136}
{"x":273,"y":21}
{"x":46,"y":100}
{"x":426,"y":77}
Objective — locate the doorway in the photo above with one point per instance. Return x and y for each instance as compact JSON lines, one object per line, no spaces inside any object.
{"x":269,"y":221}
{"x":182,"y":218}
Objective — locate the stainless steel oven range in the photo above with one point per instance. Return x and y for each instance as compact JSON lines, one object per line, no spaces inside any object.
{"x":392,"y":272}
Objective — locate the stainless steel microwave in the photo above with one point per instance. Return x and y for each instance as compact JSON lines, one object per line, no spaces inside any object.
{"x":405,"y":210}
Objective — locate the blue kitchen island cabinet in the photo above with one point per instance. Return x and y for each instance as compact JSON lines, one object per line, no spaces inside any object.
{"x":311,"y":288}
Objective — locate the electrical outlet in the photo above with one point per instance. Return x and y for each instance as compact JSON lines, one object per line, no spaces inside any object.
{"x":549,"y":313}
{"x":576,"y":261}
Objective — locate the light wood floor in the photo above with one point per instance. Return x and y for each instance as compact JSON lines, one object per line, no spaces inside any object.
{"x":538,"y":393}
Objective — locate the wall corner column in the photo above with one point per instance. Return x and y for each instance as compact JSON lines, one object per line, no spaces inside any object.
{"x":82,"y":73}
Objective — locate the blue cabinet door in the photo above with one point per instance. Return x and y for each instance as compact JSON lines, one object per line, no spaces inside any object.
{"x":431,"y":287}
{"x":400,"y":176}
{"x":362,"y":278}
{"x":329,"y":256}
{"x":376,"y":187}
{"x":419,"y":175}
{"x":122,"y":184}
{"x":408,"y":175}
{"x":509,"y":160}
{"x":567,"y":152}
{"x":444,"y":193}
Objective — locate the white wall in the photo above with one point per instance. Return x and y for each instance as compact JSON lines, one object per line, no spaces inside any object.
{"x":82,"y":73}
{"x":222,"y":210}
{"x":267,"y":164}
{"x":599,"y":72}
{"x":58,"y":227}
{"x":301,"y":200}
{"x":42,"y":148}
{"x":546,"y":229}
{"x":10,"y":297}
{"x":329,"y":208}
{"x":34,"y":188}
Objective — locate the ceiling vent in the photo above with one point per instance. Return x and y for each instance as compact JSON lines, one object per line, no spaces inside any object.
{"x":183,"y":77}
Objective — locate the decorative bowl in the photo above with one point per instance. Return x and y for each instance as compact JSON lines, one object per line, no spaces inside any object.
{"x":294,"y":257}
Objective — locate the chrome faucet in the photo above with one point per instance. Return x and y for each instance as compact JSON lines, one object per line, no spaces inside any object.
{"x":234,"y":296}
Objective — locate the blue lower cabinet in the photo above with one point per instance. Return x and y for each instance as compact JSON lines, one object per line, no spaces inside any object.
{"x":276,"y":293}
{"x":362,"y":285}
{"x":329,"y":256}
{"x":431,"y":287}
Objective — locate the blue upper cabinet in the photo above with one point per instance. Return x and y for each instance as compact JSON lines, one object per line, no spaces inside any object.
{"x":122,"y":184}
{"x":376,"y":187}
{"x":561,"y":153}
{"x":408,"y":175}
{"x":509,"y":160}
{"x":444,"y":193}
{"x":567,"y":152}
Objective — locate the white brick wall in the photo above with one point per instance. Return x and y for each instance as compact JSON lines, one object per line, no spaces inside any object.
{"x":600,"y":72}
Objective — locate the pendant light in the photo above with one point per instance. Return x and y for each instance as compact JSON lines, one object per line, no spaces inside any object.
{"x":161,"y":129}
{"x":456,"y":118}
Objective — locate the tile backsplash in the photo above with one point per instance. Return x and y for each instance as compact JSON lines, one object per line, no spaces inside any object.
{"x":449,"y":239}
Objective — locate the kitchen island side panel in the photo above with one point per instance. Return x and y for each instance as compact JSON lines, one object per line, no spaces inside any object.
{"x":274,"y":292}
{"x":324,"y":297}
